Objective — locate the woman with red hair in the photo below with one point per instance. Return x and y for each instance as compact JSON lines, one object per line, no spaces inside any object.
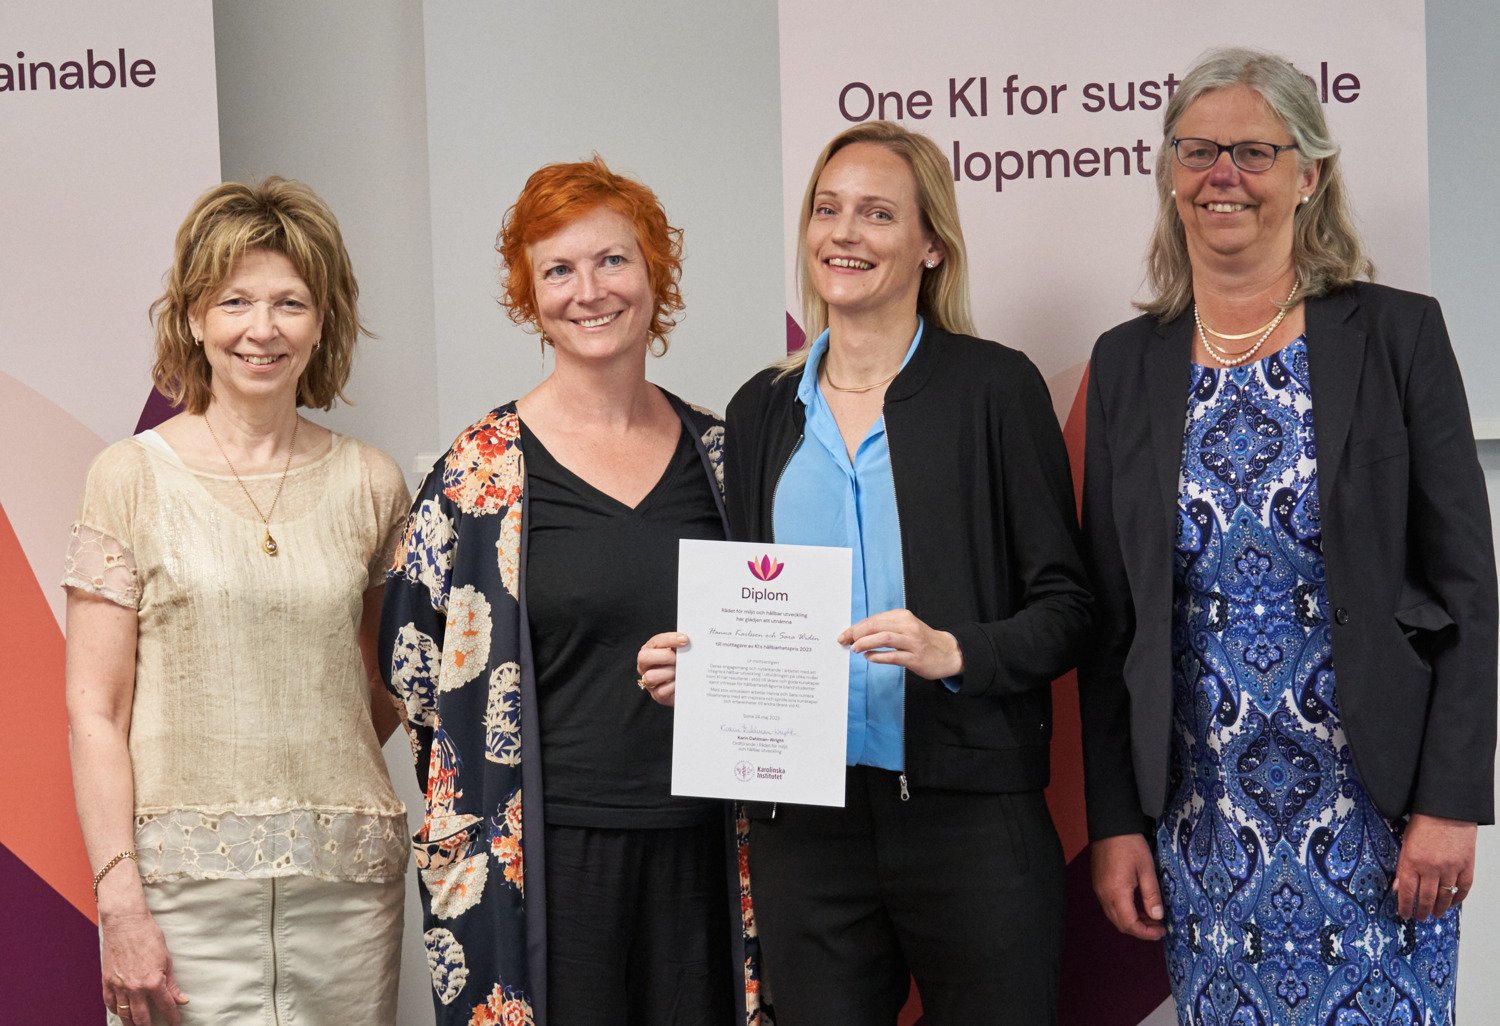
{"x":540,"y":549}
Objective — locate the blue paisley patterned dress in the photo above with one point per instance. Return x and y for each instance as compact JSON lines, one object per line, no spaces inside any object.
{"x":1276,"y":868}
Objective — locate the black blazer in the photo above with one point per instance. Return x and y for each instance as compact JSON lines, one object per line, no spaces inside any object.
{"x":1406,"y":542}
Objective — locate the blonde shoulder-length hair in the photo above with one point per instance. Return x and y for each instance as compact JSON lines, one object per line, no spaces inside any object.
{"x":280,"y":215}
{"x":1326,"y":249}
{"x":943,"y":300}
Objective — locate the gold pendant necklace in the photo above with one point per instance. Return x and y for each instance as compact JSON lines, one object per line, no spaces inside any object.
{"x":268,"y":545}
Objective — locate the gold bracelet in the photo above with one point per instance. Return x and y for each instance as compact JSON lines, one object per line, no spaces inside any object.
{"x":111,"y":864}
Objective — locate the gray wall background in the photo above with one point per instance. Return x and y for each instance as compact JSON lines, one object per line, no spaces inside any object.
{"x":684,"y":96}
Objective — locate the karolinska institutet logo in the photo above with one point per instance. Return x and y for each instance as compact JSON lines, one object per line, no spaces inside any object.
{"x":745,"y":771}
{"x":764,"y":569}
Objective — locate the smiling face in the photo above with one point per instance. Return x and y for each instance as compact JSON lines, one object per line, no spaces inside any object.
{"x":258,"y":329}
{"x":1229,"y":214}
{"x":866,"y":240}
{"x":593,"y":292}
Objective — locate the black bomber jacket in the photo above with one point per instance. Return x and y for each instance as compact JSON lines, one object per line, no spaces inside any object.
{"x":989,"y":541}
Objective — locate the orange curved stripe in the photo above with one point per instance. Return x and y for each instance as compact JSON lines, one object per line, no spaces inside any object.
{"x":1065,"y":794}
{"x":37,"y":821}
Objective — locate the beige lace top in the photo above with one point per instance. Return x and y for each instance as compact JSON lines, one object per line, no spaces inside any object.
{"x":250,"y":736}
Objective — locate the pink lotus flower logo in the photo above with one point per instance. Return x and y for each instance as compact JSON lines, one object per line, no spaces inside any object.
{"x":766,"y":569}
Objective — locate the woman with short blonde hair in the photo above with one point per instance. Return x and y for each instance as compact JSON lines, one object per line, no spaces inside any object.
{"x":224,"y":584}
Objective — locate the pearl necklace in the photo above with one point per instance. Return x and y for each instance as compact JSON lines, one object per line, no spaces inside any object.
{"x":1227,"y":359}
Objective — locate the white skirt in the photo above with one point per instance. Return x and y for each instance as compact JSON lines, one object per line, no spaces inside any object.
{"x":287,"y":951}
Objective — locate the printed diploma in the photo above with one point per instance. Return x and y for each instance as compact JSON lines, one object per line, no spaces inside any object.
{"x":763,"y":684}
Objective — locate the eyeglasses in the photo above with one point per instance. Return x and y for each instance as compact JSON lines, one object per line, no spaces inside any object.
{"x":1202,"y":154}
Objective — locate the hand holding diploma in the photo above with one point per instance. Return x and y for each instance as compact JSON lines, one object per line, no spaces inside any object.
{"x":897,"y":636}
{"x":656,"y":667}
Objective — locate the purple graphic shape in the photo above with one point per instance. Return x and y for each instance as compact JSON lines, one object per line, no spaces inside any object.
{"x":49,"y":950}
{"x":796,"y":338}
{"x":1108,"y":979}
{"x":157,"y":409}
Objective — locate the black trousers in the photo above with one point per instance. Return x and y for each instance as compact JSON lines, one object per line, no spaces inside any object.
{"x":962,"y":891}
{"x":638,"y":927}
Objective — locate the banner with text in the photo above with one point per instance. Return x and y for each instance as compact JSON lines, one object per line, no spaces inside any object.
{"x":108,"y":131}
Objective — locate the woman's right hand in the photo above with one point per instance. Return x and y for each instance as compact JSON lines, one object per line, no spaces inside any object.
{"x":137,"y":970}
{"x":656,"y":667}
{"x":1125,"y":882}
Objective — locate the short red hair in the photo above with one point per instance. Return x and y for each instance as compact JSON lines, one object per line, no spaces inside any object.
{"x":558,"y":194}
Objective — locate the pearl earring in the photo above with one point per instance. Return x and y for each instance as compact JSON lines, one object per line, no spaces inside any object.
{"x":1306,"y":199}
{"x":1174,"y":192}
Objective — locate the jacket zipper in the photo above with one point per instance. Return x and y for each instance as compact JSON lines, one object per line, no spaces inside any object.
{"x":775,"y":485}
{"x":901,"y":562}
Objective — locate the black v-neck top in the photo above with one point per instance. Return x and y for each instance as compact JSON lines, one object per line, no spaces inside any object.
{"x":600,"y":579}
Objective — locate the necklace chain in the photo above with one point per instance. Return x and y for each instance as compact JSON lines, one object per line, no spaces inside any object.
{"x":1236,"y":338}
{"x":268,"y":545}
{"x":861,"y":388}
{"x":1228,"y":359}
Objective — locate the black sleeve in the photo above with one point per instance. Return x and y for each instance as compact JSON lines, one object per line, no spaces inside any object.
{"x":741,"y":473}
{"x":1111,"y":795}
{"x":1047,"y":633}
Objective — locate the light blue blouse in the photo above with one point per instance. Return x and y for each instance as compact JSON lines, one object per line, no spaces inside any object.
{"x":825,"y":499}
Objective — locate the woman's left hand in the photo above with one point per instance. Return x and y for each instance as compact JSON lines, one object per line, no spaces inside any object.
{"x":929,"y":654}
{"x":1437,"y":854}
{"x":656,"y":666}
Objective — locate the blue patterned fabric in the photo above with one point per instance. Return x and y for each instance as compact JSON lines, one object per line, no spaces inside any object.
{"x":1276,"y":868}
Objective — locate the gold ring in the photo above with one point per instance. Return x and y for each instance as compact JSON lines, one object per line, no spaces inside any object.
{"x":640,"y":682}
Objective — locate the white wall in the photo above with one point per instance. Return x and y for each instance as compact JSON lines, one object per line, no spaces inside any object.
{"x":679,"y":94}
{"x":332,"y":93}
{"x":419,"y":160}
{"x":1463,"y":91}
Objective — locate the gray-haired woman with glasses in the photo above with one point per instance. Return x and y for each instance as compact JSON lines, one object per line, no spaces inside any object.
{"x":1289,"y":718}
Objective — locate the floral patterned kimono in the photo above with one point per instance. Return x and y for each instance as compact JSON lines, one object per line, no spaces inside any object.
{"x":456,"y":650}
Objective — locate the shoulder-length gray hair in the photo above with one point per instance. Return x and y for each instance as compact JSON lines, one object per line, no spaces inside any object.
{"x":1326,"y":248}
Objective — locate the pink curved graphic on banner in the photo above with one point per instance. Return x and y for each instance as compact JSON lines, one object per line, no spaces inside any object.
{"x":44,"y":870}
{"x":42,"y":467}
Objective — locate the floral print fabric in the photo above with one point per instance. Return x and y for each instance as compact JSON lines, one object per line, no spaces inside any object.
{"x":455,"y":648}
{"x":1276,"y":867}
